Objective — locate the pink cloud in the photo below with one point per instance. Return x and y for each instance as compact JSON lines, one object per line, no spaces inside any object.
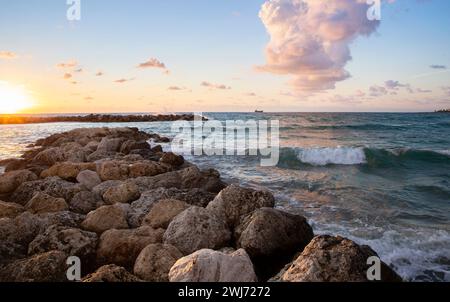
{"x":152,"y":63}
{"x":216,"y":86}
{"x":8,"y":55}
{"x":69,"y":64}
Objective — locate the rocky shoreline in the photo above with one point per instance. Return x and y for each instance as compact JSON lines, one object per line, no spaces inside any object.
{"x":133,"y":213}
{"x":95,"y":118}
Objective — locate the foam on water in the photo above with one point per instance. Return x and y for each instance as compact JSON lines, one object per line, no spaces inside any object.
{"x":328,"y":156}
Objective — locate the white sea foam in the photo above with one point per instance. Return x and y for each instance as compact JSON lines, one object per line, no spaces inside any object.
{"x":336,"y":156}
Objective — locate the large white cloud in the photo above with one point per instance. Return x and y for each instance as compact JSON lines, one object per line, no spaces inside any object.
{"x":310,"y":39}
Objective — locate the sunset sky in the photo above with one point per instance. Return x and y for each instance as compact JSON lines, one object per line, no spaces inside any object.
{"x":224,"y":55}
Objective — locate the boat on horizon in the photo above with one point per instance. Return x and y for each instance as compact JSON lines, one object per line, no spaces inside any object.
{"x":259,"y":111}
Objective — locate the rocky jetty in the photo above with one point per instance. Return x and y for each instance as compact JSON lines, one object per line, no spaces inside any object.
{"x":132,"y":213}
{"x":95,"y":118}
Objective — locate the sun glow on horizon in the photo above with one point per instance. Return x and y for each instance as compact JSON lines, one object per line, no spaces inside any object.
{"x":14,"y":98}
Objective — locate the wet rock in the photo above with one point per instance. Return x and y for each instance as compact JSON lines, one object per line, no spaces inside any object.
{"x":233,"y":203}
{"x":163,"y":212}
{"x":113,"y":170}
{"x":10,"y":209}
{"x":110,"y":144}
{"x":333,"y":259}
{"x":172,"y":159}
{"x":146,"y":168}
{"x":10,"y":181}
{"x":197,"y":228}
{"x":154,"y":262}
{"x":213,"y":266}
{"x":47,"y":267}
{"x":122,"y":247}
{"x":89,"y":179}
{"x":53,"y":186}
{"x":85,"y":202}
{"x":106,"y":218}
{"x":272,"y":237}
{"x":123,"y":193}
{"x":44,"y":203}
{"x":73,"y":242}
{"x":111,"y":273}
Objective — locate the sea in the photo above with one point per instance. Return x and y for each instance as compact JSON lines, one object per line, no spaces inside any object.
{"x":381,"y":179}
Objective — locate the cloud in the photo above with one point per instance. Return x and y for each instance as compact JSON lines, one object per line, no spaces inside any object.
{"x":67,"y":76}
{"x":79,"y":70}
{"x":8,"y":55}
{"x":99,"y":74}
{"x":310,"y":39}
{"x":250,"y":94}
{"x":176,"y":88}
{"x":377,"y":91}
{"x":396,"y":85}
{"x":215,"y":86}
{"x":69,"y":64}
{"x":121,"y":81}
{"x":88,"y":98}
{"x":420,"y":90}
{"x":438,"y":66}
{"x":153,"y":63}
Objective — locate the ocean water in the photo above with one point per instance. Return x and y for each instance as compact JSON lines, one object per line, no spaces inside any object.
{"x":379,"y":179}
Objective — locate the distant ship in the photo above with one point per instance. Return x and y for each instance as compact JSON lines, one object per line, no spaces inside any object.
{"x":259,"y":111}
{"x":443,"y":111}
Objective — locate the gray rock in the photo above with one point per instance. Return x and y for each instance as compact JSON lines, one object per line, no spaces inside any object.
{"x":163,"y":212}
{"x":106,"y":218}
{"x":89,"y":179}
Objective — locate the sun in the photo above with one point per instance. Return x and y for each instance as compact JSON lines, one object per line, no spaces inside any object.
{"x":14,"y":98}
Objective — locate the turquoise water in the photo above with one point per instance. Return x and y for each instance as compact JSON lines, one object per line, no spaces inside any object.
{"x":379,"y":179}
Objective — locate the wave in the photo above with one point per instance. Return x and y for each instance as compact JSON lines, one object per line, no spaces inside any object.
{"x":359,"y":127}
{"x":373,"y":157}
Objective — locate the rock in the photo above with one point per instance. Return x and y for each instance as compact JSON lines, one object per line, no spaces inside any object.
{"x":130,"y":145}
{"x":67,"y":170}
{"x":233,"y":203}
{"x":50,"y":156}
{"x":163,"y":212}
{"x":92,"y":145}
{"x":99,"y":155}
{"x":10,"y":209}
{"x":113,"y":170}
{"x":333,"y":259}
{"x":213,"y":266}
{"x":110,"y":144}
{"x":89,"y":179}
{"x":122,"y":247}
{"x":73,"y":242}
{"x":111,"y":273}
{"x":146,"y":168}
{"x":272,"y":237}
{"x":172,"y":159}
{"x":154,"y":262}
{"x":85,"y":202}
{"x":146,"y":154}
{"x":53,"y":186}
{"x":189,"y":178}
{"x":106,"y":218}
{"x":10,"y":181}
{"x":123,"y":193}
{"x":44,"y":203}
{"x":100,"y":189}
{"x":157,"y":149}
{"x":47,"y":267}
{"x":143,"y":205}
{"x":197,"y":228}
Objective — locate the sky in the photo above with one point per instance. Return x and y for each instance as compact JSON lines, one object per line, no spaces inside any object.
{"x":224,"y":55}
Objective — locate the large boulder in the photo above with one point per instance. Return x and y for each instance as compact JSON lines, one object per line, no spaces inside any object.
{"x":47,"y":267}
{"x":10,"y":181}
{"x":111,"y":273}
{"x":85,"y":202}
{"x":131,"y":145}
{"x":272,"y":237}
{"x":106,"y":218}
{"x":10,"y":209}
{"x":333,"y":259}
{"x":122,"y":247}
{"x":143,"y":205}
{"x":72,"y":241}
{"x":50,"y":156}
{"x":146,"y":168}
{"x":172,"y":159}
{"x":113,"y":170}
{"x":124,"y":193}
{"x":233,"y":203}
{"x":163,"y":212}
{"x":67,"y":170}
{"x":154,"y":262}
{"x":100,"y":189}
{"x":44,"y":203}
{"x":53,"y":186}
{"x":213,"y":266}
{"x":197,"y":228}
{"x":110,"y":144}
{"x":89,"y":179}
